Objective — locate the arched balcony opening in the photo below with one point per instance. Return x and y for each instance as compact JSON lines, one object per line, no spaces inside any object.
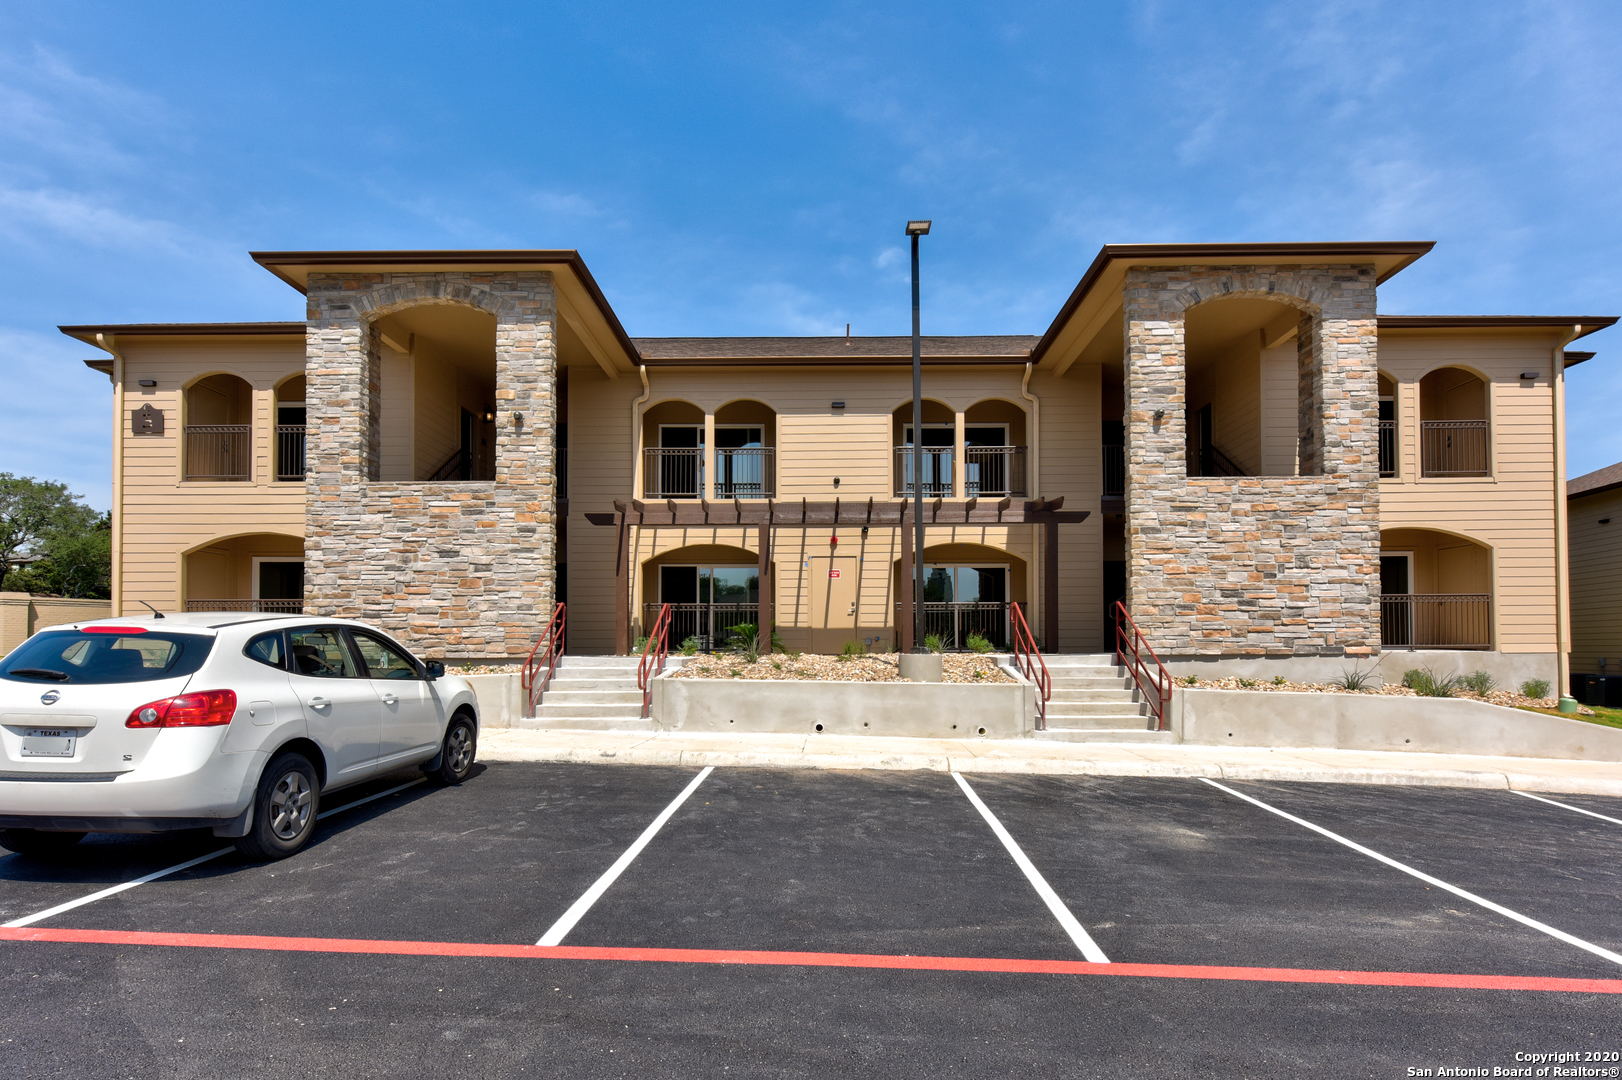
{"x":673,"y":451}
{"x":256,"y":572}
{"x":437,"y":373}
{"x":938,"y":444}
{"x":1388,"y":425}
{"x":219,"y":429}
{"x":967,"y":591}
{"x":994,"y":450}
{"x":290,"y":429}
{"x":1435,"y":591}
{"x":1453,"y":425}
{"x":1243,"y":388}
{"x":710,"y":588}
{"x":745,"y":450}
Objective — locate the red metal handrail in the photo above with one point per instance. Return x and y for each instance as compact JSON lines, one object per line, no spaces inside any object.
{"x":1029,"y":660}
{"x":1154,"y":683}
{"x":550,"y":646}
{"x":653,"y":658}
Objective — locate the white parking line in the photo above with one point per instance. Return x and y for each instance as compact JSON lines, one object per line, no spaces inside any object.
{"x":1072,"y":926}
{"x":1463,"y":894}
{"x":29,"y":920}
{"x":1568,"y":806}
{"x":578,"y":909}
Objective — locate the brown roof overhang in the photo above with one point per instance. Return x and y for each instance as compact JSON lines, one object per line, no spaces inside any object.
{"x":1586,"y":324}
{"x":1595,"y":482}
{"x":1388,"y":258}
{"x":1575,"y":358}
{"x":833,"y":351}
{"x":88,"y":333}
{"x":295,"y":267}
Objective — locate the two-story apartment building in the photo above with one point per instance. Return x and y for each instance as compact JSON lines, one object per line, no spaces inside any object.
{"x":1228,"y":437}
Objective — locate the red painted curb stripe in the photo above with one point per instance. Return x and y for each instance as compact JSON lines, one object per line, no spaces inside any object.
{"x":814,"y":959}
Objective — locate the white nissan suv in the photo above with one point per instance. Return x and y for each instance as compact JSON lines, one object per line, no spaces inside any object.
{"x":239,"y":722}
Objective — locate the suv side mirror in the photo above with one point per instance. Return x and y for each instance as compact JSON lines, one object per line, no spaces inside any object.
{"x":435,"y":669}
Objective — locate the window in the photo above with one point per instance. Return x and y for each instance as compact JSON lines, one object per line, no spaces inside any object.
{"x":965,"y":584}
{"x":382,"y":660}
{"x":268,"y":649}
{"x":73,"y":656}
{"x":321,"y":654}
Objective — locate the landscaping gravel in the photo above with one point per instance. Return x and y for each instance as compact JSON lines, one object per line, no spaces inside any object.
{"x":871,"y":667}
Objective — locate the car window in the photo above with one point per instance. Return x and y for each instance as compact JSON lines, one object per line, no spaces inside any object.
{"x":103,"y":656}
{"x":268,"y":649}
{"x":382,"y":660}
{"x":320,"y":653}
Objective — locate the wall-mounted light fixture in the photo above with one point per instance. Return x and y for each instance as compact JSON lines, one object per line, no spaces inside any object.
{"x":1160,"y":414}
{"x":149,"y":382}
{"x":836,"y":404}
{"x":836,"y":481}
{"x":518,"y":420}
{"x":1530,"y":374}
{"x":489,"y":416}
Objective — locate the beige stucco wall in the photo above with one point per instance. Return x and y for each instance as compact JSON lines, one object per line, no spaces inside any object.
{"x":1596,"y":582}
{"x":23,"y":613}
{"x":1512,"y":511}
{"x":163,"y":516}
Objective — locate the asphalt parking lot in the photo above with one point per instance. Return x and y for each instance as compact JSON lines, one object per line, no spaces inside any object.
{"x":803,"y":923}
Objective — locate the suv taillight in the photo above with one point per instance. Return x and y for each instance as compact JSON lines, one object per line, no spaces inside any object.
{"x":210,"y":708}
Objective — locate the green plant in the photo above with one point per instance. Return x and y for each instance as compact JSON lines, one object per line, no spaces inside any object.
{"x":1279,"y":680}
{"x":852,"y":648}
{"x":843,"y":658}
{"x":1190,"y":680}
{"x":1426,"y":683}
{"x":934,"y":643}
{"x":690,"y":646}
{"x":639,"y":644}
{"x":1355,"y":680}
{"x":735,"y":672}
{"x":1249,"y":684}
{"x":777,"y":665}
{"x":748,"y":633}
{"x":978,"y":674}
{"x":1535,"y":688}
{"x":1478,"y":682}
{"x":980,"y":644}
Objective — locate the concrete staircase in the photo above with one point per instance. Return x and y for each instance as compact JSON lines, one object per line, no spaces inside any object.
{"x":594,"y":693}
{"x":1095,"y":701}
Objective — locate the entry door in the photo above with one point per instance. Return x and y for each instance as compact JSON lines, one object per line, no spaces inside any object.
{"x":834,"y":584}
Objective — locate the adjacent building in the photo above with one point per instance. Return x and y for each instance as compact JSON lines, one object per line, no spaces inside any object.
{"x":1595,"y":516}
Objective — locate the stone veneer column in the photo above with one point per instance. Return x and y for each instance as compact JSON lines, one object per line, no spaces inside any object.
{"x":1255,"y":566}
{"x":456,"y":569}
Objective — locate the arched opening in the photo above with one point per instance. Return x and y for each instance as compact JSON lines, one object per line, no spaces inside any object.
{"x":1243,"y":388}
{"x":1388,"y":425}
{"x":1453,"y":428}
{"x":1435,"y":591}
{"x":219,"y":429}
{"x":745,"y":450}
{"x":710,"y":588}
{"x":437,"y":373}
{"x":290,"y":429}
{"x":938,"y":445}
{"x":993,"y":449}
{"x":967,"y":590}
{"x":673,"y":451}
{"x":256,"y":572}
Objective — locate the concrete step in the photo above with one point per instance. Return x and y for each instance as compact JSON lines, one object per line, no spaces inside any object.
{"x":587,"y":723}
{"x":1097,"y":708}
{"x":1104,"y":735}
{"x":572,"y":663}
{"x":1074,"y":659}
{"x":577,"y":681}
{"x":555,"y":696}
{"x":1089,"y":682}
{"x":1115,"y":693}
{"x":546,"y":711}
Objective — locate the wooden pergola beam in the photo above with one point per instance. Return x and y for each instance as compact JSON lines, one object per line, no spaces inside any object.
{"x":788,"y":514}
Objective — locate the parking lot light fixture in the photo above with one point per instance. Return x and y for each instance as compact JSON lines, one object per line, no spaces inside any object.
{"x":915,"y":229}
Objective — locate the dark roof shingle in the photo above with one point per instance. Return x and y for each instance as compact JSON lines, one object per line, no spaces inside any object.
{"x":1595,"y":482}
{"x":1003,"y":348}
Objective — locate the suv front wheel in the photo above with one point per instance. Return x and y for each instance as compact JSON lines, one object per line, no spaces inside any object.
{"x":284,"y":809}
{"x":456,"y":752}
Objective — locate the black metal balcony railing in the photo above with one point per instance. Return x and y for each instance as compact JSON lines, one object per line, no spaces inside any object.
{"x":993,"y":470}
{"x":1453,"y":447}
{"x":937,"y":466}
{"x":954,"y":622}
{"x":281,"y":607}
{"x":562,"y":468}
{"x":745,"y":473}
{"x":1436,"y":620}
{"x":1388,"y":448}
{"x":1114,"y":471}
{"x":672,"y":473}
{"x":219,"y":452}
{"x":711,"y":624}
{"x":289,"y":451}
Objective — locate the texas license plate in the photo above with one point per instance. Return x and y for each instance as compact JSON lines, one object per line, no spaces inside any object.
{"x":48,"y":742}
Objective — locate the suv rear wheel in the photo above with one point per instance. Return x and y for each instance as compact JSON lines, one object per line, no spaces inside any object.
{"x":284,"y":809}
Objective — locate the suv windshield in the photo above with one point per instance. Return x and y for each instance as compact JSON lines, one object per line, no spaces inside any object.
{"x":72,"y":656}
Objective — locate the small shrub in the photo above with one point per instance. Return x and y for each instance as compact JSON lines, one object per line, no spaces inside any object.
{"x":934,"y":643}
{"x":1190,"y":680}
{"x":1426,"y":683}
{"x":690,"y":646}
{"x":843,"y":658}
{"x":639,"y":644}
{"x":1249,"y":684}
{"x":980,"y":644}
{"x":1279,"y":680}
{"x":777,"y":665}
{"x":978,"y":674}
{"x":1535,"y":688}
{"x":750,"y":653}
{"x":1355,"y":680}
{"x":852,"y":648}
{"x":1478,"y":682}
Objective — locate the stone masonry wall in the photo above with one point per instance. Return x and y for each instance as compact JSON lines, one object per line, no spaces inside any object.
{"x":1255,"y":566}
{"x":460,"y":570}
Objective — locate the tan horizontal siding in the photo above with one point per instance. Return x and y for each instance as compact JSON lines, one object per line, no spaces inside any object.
{"x":1596,"y":582}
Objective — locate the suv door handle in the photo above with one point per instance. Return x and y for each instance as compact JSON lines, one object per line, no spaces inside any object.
{"x":319,"y":702}
{"x":389,"y":699}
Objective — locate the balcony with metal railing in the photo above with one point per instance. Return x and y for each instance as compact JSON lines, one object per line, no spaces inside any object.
{"x":710,"y":624}
{"x":678,"y":473}
{"x":290,"y":451}
{"x":1114,"y":471}
{"x":1453,"y":448}
{"x":280,"y":607}
{"x":1436,"y":620}
{"x":955,"y":622}
{"x":1388,"y":448}
{"x":219,"y":452}
{"x":990,"y":471}
{"x":937,"y":471}
{"x":745,"y":473}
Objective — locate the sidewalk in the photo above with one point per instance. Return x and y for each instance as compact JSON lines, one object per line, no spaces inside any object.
{"x":1034,"y":757}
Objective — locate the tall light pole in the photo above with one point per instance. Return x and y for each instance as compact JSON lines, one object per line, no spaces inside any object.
{"x":915,"y":229}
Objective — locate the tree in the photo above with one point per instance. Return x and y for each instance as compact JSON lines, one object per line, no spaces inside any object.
{"x":50,"y":541}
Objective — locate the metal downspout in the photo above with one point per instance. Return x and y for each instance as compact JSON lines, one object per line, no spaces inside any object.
{"x":108,"y":343}
{"x":1562,"y":570}
{"x":636,"y":486}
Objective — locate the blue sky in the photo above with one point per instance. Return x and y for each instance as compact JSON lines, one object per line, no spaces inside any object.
{"x":747,"y":169}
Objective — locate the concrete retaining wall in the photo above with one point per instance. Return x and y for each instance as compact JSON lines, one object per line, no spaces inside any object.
{"x":501,"y":699}
{"x":1510,"y":669}
{"x":1370,"y":722}
{"x":919,"y":710}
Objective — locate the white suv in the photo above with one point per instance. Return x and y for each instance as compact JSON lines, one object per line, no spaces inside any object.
{"x":239,"y":722}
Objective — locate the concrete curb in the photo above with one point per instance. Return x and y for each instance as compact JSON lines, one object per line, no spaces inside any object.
{"x":1097,"y":759}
